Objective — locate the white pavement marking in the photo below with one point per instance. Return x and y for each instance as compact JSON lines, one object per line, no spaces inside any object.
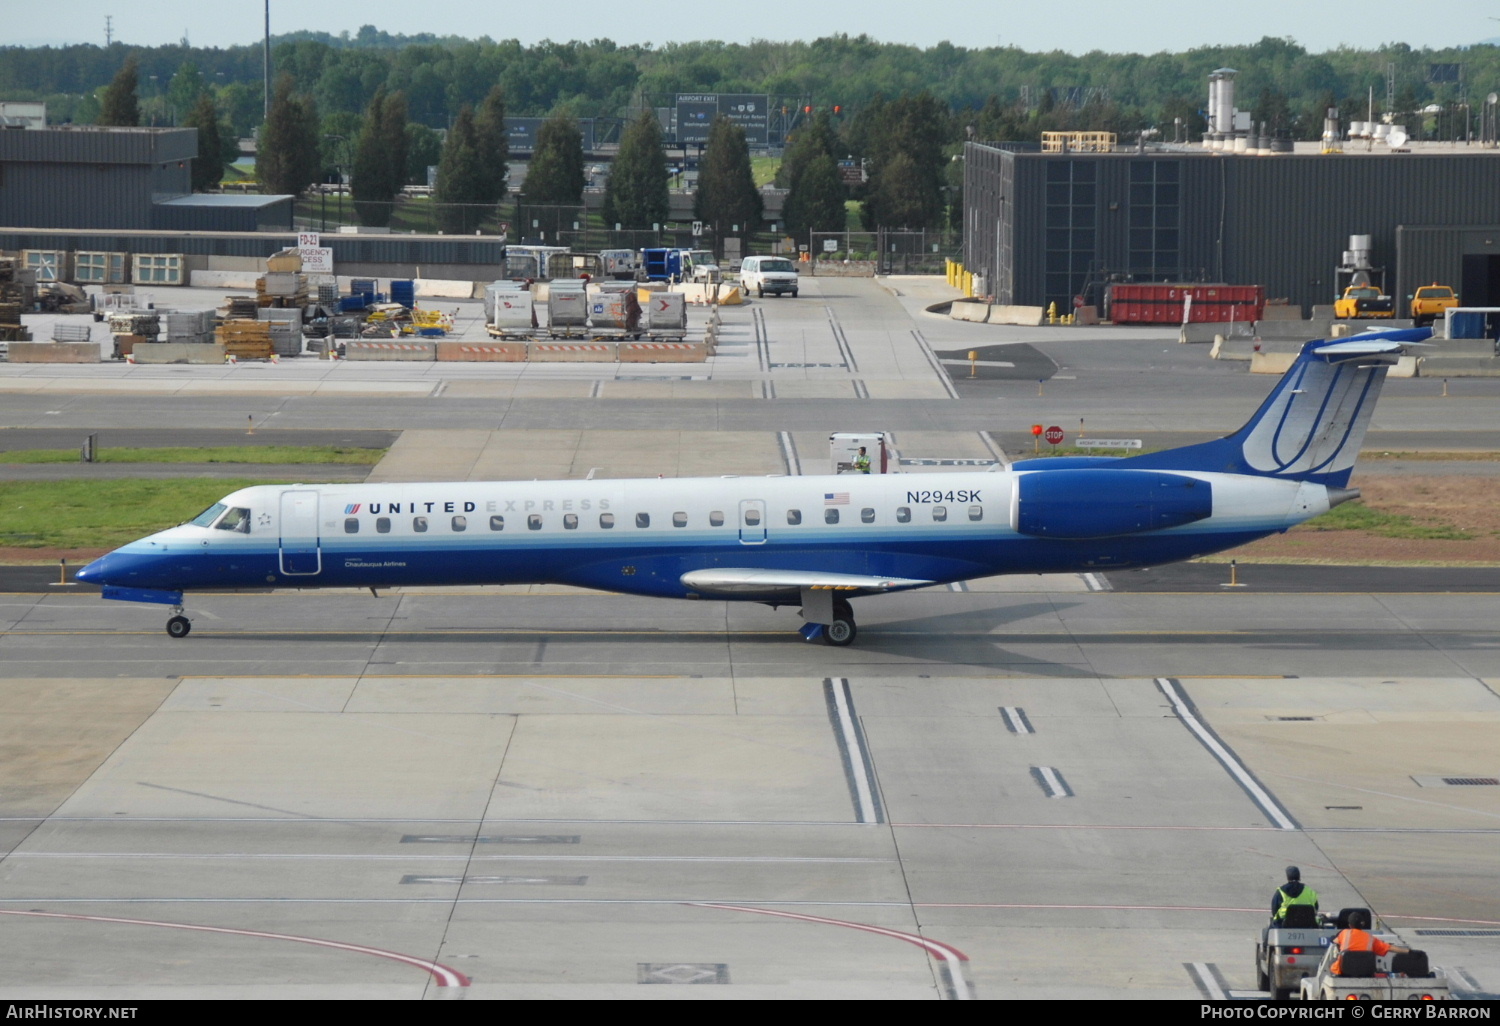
{"x":1227,"y":758}
{"x":1015,"y":720}
{"x":1051,"y":781}
{"x":444,"y":976}
{"x":937,"y":367}
{"x":538,"y":857}
{"x":1203,"y":975}
{"x":1095,"y":583}
{"x":950,"y":362}
{"x":789,"y":453}
{"x":852,"y":748}
{"x":950,"y":959}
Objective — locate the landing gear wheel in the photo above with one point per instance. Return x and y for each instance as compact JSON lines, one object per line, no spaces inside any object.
{"x":179,"y":626}
{"x":841,"y":632}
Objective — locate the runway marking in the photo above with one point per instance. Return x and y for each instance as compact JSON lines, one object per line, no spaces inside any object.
{"x":789,"y":453}
{"x":1210,"y":983}
{"x":1015,"y":720}
{"x":1051,"y":781}
{"x":1220,"y":751}
{"x":944,"y":378}
{"x":1094,"y":582}
{"x":950,"y":960}
{"x":989,"y":443}
{"x":461,"y":879}
{"x":842,"y":341}
{"x":300,"y":856}
{"x":853,"y":750}
{"x":441,"y":974}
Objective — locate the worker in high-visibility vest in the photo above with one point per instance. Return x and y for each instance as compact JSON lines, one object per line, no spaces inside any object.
{"x":862,"y":461}
{"x":1293,"y":892}
{"x":1358,"y":938}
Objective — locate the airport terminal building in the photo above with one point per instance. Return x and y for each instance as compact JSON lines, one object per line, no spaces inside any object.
{"x":1045,"y":227}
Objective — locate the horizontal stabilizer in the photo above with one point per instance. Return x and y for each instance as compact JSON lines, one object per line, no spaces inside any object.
{"x":749,"y":581}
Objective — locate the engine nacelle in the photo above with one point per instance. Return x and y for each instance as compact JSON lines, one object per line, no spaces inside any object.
{"x":1101,"y":503}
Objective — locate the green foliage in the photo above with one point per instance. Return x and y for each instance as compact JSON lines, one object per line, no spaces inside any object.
{"x":1356,"y":516}
{"x":424,"y":149}
{"x":727,"y":197}
{"x":904,"y":141}
{"x":816,"y":202}
{"x":636,"y":195}
{"x":807,"y":142}
{"x":208,"y":166}
{"x":460,"y":179}
{"x":119,"y":106}
{"x":555,"y":174}
{"x":493,"y":143}
{"x":310,"y":454}
{"x":380,"y":159}
{"x":287,"y":156}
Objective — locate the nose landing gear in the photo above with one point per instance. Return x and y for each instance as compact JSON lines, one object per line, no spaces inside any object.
{"x":179,"y":626}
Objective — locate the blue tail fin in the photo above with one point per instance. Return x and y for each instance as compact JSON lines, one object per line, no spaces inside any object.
{"x":1311,"y":425}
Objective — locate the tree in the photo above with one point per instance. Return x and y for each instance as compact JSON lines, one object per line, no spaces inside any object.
{"x":816,"y":203}
{"x":380,"y":159}
{"x":287,"y":153}
{"x":183,"y":92}
{"x":494,"y":144}
{"x":902,"y":197}
{"x":636,"y":195}
{"x":914,"y":128}
{"x":460,"y":179}
{"x":424,"y":149}
{"x":727,"y":197}
{"x":556,"y":171}
{"x":120,"y":106}
{"x":208,"y":166}
{"x":813,"y":138}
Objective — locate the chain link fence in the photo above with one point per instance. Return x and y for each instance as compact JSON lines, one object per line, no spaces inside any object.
{"x":887,"y":251}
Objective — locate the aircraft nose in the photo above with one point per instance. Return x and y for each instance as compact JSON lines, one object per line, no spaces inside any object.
{"x":94,"y":572}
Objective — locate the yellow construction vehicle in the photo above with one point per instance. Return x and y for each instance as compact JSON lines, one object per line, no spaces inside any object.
{"x":1362,"y":303}
{"x":1429,"y":302}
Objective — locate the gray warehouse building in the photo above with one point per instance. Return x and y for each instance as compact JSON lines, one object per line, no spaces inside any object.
{"x":1046,"y":227}
{"x":132,"y":179}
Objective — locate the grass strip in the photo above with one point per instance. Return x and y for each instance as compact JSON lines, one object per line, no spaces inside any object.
{"x":309,"y":454}
{"x":102,"y":514}
{"x":1356,"y":516}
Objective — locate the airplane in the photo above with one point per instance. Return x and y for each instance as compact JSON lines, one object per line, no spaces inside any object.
{"x":813,"y":541}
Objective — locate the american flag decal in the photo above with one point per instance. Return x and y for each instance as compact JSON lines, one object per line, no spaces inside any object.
{"x":835,"y":498}
{"x":352,"y":508}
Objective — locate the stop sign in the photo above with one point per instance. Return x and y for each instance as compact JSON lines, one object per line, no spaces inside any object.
{"x":1053,"y":435}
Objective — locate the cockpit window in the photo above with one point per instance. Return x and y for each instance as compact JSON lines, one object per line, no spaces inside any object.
{"x":208,"y":516}
{"x":237,"y":519}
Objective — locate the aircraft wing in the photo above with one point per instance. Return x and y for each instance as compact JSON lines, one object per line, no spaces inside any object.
{"x":748,"y":581}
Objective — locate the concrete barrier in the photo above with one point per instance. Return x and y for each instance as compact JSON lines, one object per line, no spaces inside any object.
{"x":1343,"y":329}
{"x":178,"y":352}
{"x":723,"y":294}
{"x":363,"y":349}
{"x":1448,"y":367}
{"x":223,"y":279}
{"x":1025,"y":316}
{"x":663,"y":352}
{"x":1209,"y":330}
{"x":1404,"y":367}
{"x":1449,"y":347}
{"x":969,"y":310}
{"x":443,"y":288}
{"x":1246,"y":348}
{"x":481,"y":352}
{"x":1301,"y":331}
{"x":1322,"y":312}
{"x":1271,"y":363}
{"x":55,"y":352}
{"x":1281,"y":313}
{"x":570,"y":352}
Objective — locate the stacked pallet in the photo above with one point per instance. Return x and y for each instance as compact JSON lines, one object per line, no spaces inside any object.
{"x":141,"y":322}
{"x":246,"y":340}
{"x":240,"y":308}
{"x":286,"y":330}
{"x":10,"y":324}
{"x":195,"y":326}
{"x":282,"y":289}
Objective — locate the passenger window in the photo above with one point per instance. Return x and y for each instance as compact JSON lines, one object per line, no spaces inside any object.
{"x":679,"y":519}
{"x":570,"y":521}
{"x":497,"y":523}
{"x":716,"y":518}
{"x":976,"y":512}
{"x":606,"y":520}
{"x":940,"y":513}
{"x":830,"y":516}
{"x":867,"y":515}
{"x":351,"y":525}
{"x":382,"y":525}
{"x":903,"y":514}
{"x":236,"y":519}
{"x":643,"y":520}
{"x":460,"y":523}
{"x":752,"y":518}
{"x":794,"y":517}
{"x":534,"y":522}
{"x":419,"y":524}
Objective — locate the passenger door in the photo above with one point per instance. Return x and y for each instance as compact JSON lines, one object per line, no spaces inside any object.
{"x":301,"y":549}
{"x":752,"y":522}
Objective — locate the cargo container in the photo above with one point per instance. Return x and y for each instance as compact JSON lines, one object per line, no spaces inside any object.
{"x":1163,"y":303}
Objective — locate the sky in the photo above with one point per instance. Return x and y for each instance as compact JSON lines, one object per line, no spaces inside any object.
{"x":1076,"y":27}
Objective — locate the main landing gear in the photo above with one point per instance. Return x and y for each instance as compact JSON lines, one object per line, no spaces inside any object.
{"x":843,"y":630}
{"x":829,"y":618}
{"x":178,"y":626}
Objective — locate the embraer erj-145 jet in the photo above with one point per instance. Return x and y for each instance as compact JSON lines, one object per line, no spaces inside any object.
{"x":815,"y":542}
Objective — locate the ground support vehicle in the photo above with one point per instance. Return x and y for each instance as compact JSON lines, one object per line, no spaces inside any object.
{"x":1405,"y":977}
{"x":773,"y":274}
{"x":661,"y":264}
{"x":1363,"y":303}
{"x":1285,"y":955}
{"x":1429,"y":302}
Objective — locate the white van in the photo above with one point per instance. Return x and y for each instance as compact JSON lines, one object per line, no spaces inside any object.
{"x":773,"y":274}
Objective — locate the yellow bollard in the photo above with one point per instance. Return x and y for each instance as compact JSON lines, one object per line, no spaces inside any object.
{"x":1051,"y":313}
{"x":62,"y":571}
{"x":973,"y":363}
{"x":250,"y":420}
